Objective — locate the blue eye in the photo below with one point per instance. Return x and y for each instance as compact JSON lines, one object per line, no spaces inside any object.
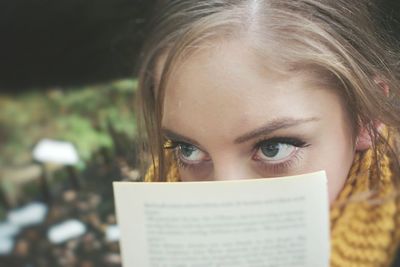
{"x":276,"y":150}
{"x":270,"y":150}
{"x":187,"y":153}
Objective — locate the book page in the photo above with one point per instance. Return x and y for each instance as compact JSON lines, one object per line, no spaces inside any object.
{"x":276,"y":222}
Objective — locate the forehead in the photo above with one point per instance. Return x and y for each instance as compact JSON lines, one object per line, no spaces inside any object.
{"x":224,"y":89}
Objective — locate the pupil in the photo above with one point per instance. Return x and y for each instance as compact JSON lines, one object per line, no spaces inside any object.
{"x":270,"y":150}
{"x":187,"y":150}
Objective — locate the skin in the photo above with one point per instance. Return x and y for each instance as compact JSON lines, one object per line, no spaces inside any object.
{"x":229,"y":118}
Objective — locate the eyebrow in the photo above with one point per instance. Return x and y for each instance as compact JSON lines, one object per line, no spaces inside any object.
{"x":272,"y":126}
{"x":268,"y":128}
{"x":169,"y":134}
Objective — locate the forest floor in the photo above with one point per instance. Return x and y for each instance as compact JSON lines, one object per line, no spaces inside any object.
{"x":92,"y":204}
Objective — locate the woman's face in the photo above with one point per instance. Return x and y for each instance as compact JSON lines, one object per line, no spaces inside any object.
{"x":229,"y":118}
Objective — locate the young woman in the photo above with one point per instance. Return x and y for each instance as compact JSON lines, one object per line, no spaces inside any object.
{"x":265,"y":88}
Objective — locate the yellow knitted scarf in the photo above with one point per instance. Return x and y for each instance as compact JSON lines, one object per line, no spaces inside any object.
{"x":365,"y":227}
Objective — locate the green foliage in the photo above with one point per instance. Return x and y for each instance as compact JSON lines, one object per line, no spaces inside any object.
{"x":83,"y":116}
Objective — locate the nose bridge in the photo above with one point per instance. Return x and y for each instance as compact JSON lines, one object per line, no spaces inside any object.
{"x":230,"y":168}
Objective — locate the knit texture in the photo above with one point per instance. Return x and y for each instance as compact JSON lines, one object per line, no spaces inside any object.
{"x":365,"y":217}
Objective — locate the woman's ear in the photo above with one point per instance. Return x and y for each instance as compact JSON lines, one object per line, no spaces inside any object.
{"x":364,"y":138}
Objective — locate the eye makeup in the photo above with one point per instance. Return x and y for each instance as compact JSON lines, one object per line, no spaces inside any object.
{"x":294,"y":141}
{"x":282,"y":167}
{"x":279,"y":166}
{"x":265,"y":166}
{"x":177,"y":147}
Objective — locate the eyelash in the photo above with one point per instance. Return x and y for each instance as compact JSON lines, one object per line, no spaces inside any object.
{"x":269,"y":167}
{"x":173,"y":145}
{"x":285,"y":165}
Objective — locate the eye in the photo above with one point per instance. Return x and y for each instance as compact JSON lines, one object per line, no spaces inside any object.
{"x":190,"y":153}
{"x":277,"y":150}
{"x":187,"y":153}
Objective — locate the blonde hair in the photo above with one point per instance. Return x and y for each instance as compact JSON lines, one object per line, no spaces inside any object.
{"x":336,"y":40}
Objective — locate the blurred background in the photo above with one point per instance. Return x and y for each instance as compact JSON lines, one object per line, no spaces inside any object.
{"x":67,"y":124}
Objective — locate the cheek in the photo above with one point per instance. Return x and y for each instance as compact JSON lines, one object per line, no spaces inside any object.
{"x":336,"y":149}
{"x":336,"y":179}
{"x":187,"y":175}
{"x":336,"y":158}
